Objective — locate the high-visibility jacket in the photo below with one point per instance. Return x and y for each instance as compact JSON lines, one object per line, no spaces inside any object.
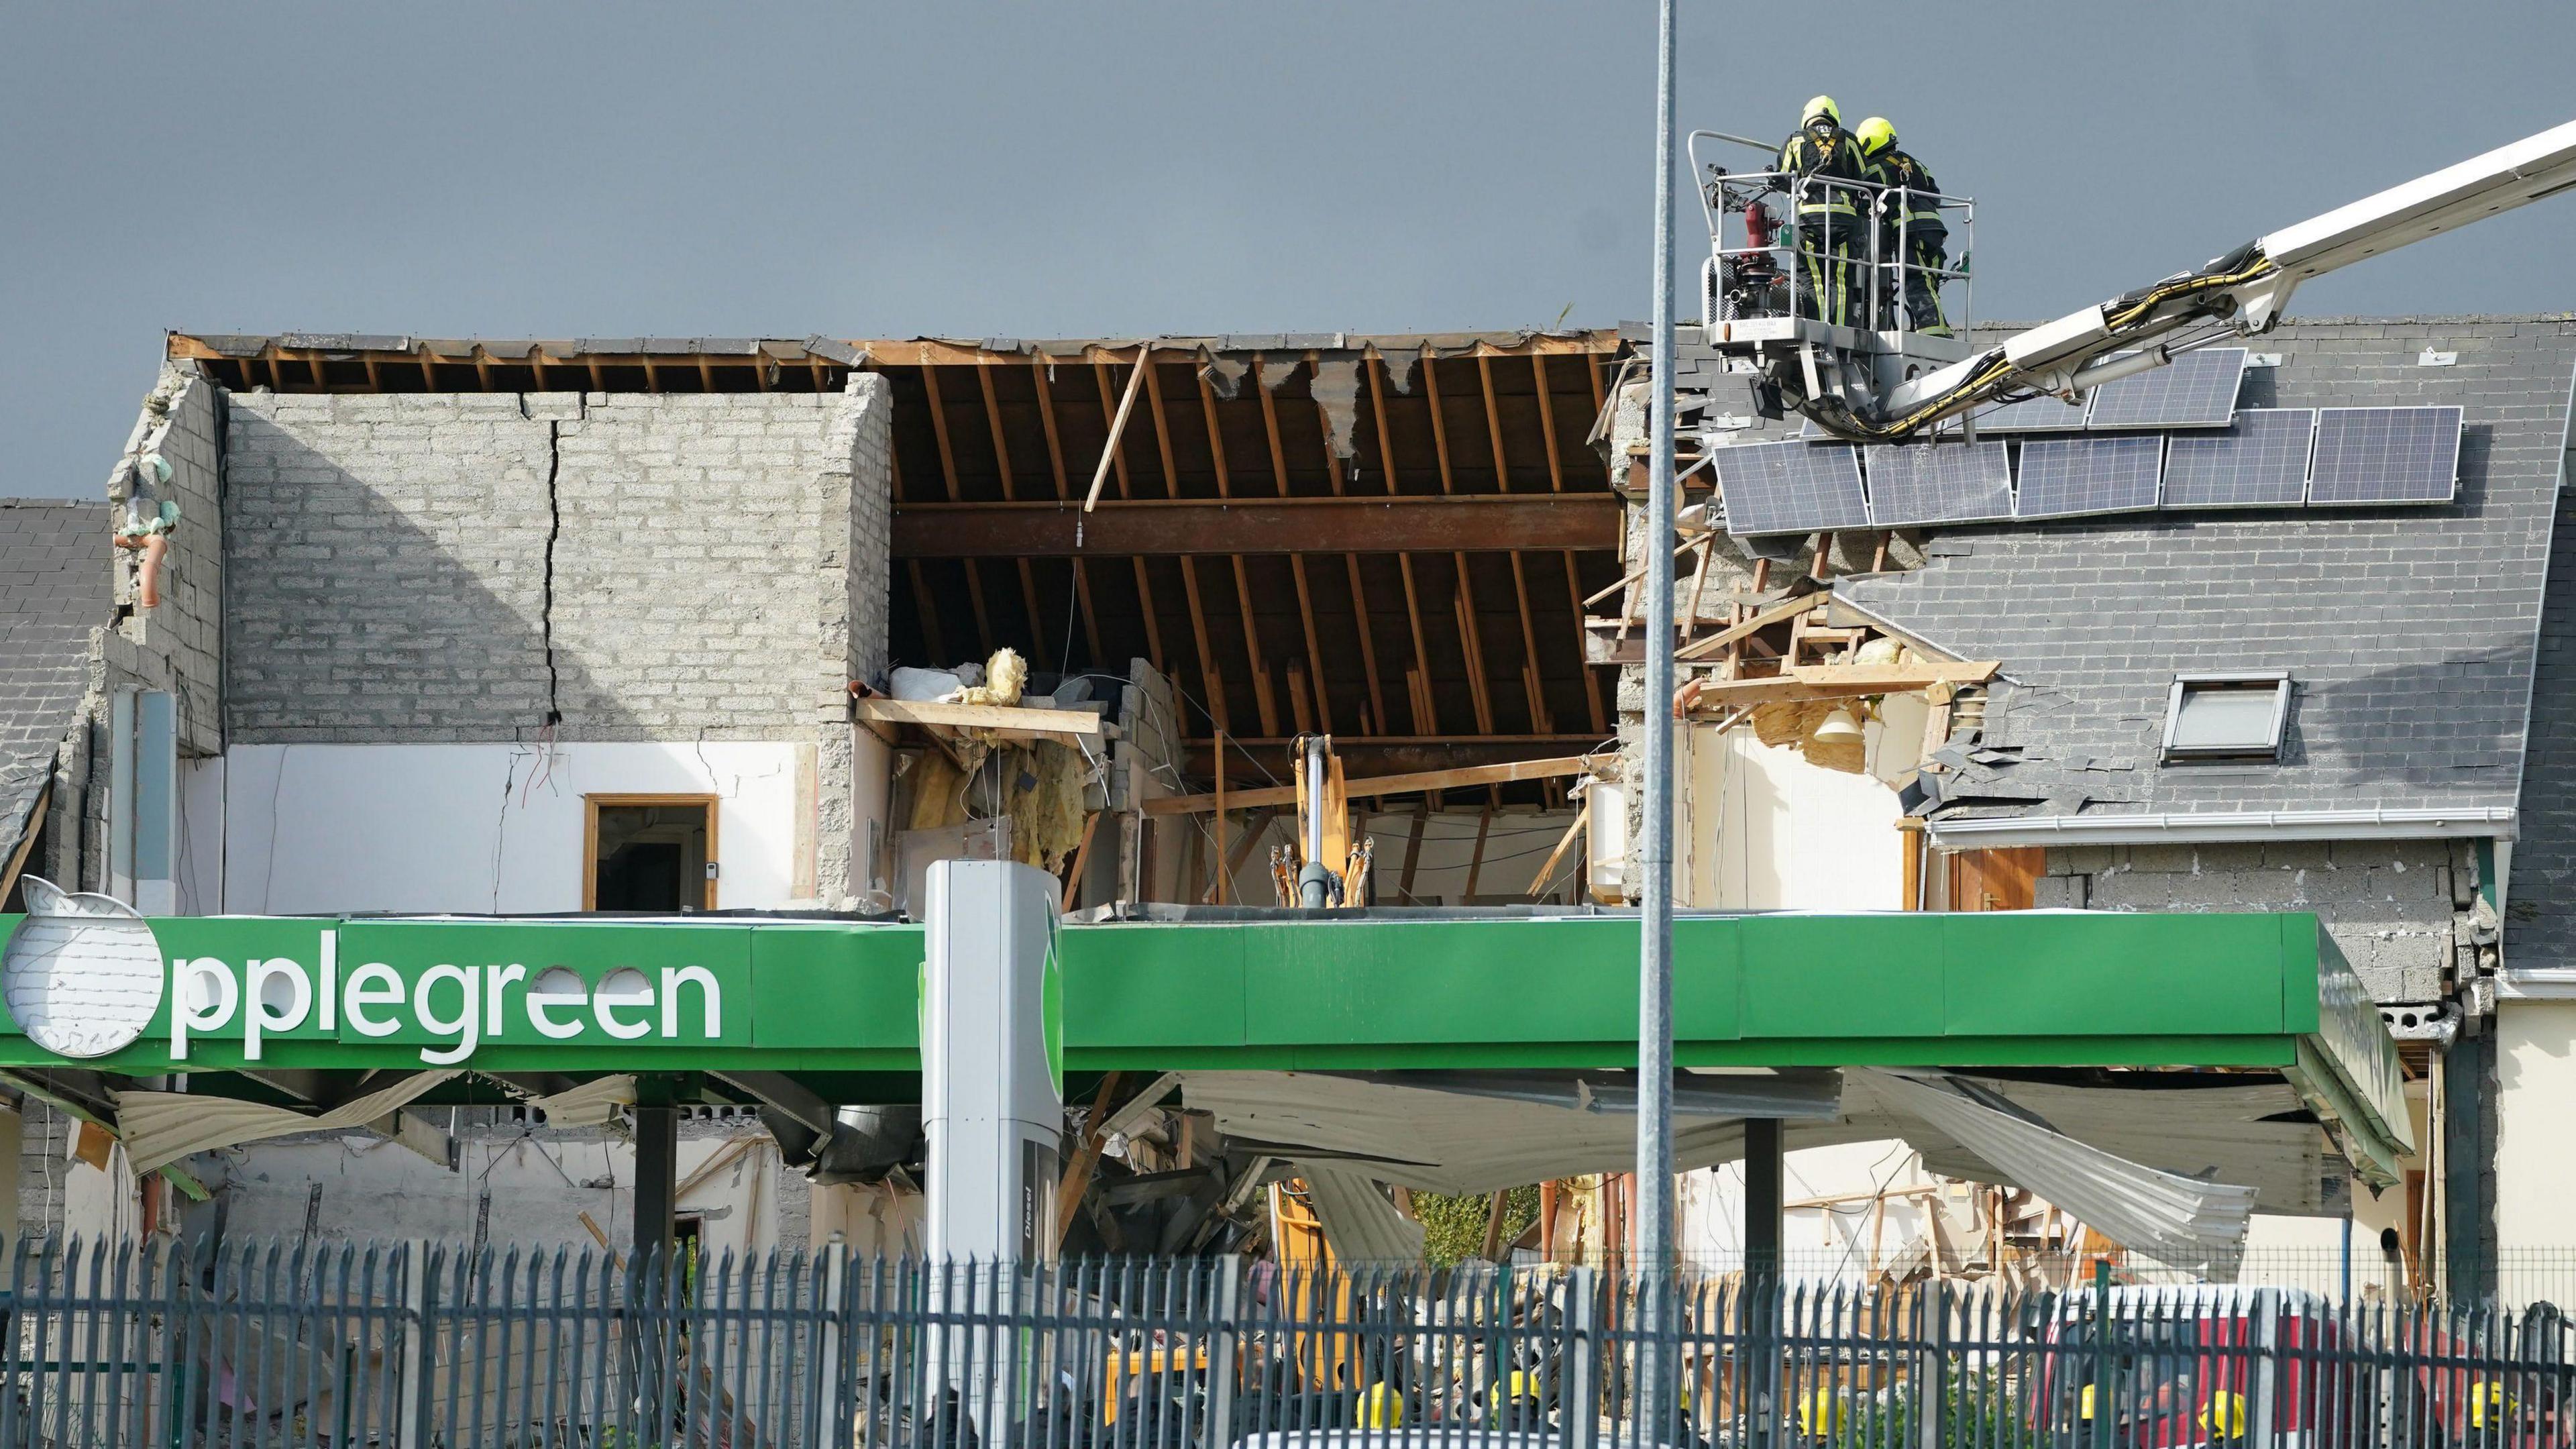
{"x":1832,"y":153}
{"x":1911,"y":212}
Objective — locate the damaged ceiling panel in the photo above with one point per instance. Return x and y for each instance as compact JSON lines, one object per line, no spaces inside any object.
{"x":2251,"y":1133}
{"x":2182,"y":1190}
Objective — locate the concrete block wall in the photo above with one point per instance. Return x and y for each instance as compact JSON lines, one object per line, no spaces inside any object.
{"x":2392,"y":906}
{"x":388,"y":564}
{"x":176,"y":646}
{"x":692,"y":530}
{"x":855,"y":567}
{"x":457,"y":567}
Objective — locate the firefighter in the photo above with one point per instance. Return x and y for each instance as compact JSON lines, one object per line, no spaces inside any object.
{"x":1914,"y":242}
{"x":1824,"y":167}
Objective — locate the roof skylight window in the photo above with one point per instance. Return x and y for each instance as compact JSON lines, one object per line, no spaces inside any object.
{"x":2237,"y":716}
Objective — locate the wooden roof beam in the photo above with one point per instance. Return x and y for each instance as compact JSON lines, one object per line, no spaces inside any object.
{"x":1383,"y":754}
{"x":1837,"y":681}
{"x":1011,"y":490}
{"x":1041,"y":377}
{"x":1553,"y":768}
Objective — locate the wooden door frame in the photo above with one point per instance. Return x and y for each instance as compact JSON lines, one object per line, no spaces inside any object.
{"x":590,"y":840}
{"x":2018,"y":867}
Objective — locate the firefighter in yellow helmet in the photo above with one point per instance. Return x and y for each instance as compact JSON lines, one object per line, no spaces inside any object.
{"x":1380,"y":1407}
{"x":1822,"y":1413}
{"x":2223,"y":1417}
{"x":1518,"y":1401}
{"x":1823,"y":165}
{"x":1913,"y":240}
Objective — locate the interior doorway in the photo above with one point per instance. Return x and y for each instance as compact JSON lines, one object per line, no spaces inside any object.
{"x":650,"y":853}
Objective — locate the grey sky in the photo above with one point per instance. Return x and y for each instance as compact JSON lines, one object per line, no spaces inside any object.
{"x":1032,"y":170}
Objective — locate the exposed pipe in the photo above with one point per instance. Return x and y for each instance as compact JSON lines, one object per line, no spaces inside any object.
{"x":2128,"y":365}
{"x":1315,"y":747}
{"x":1315,"y":881}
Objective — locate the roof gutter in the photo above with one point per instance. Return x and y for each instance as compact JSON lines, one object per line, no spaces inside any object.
{"x":2496,"y":821}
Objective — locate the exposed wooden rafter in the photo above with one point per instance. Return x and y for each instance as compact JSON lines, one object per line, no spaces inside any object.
{"x":1557,"y":767}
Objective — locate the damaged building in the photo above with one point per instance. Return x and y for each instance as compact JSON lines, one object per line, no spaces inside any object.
{"x":2234,"y":693}
{"x":676,"y":626}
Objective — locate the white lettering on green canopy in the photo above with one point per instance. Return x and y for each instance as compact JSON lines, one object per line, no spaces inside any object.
{"x":458,"y":1006}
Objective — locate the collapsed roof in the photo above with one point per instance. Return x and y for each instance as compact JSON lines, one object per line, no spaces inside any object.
{"x":1382,"y":536}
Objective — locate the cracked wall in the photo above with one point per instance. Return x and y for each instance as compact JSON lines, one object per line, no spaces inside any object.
{"x":175,"y":646}
{"x":475,"y":567}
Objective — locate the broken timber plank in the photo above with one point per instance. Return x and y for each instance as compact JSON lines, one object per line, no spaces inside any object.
{"x":980,"y":716}
{"x":1086,"y":1155}
{"x":1582,"y":818}
{"x":1842,"y":681}
{"x":1382,"y":785}
{"x":1763,"y":620}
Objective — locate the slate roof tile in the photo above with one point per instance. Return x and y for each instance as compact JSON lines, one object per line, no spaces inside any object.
{"x":2409,"y":631}
{"x":53,"y":590}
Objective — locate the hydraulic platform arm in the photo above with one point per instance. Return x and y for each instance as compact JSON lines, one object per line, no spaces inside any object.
{"x":2239,"y":294}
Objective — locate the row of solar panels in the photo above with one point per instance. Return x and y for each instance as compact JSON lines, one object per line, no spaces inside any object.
{"x":2197,"y":390}
{"x":2267,"y":458}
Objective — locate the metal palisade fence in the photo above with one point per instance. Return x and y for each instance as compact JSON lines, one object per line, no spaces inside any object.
{"x":421,"y":1345}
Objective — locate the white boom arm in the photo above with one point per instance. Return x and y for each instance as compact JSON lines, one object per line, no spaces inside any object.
{"x":2247,"y":287}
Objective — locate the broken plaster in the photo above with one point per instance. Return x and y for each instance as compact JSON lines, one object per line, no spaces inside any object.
{"x":1337,"y":391}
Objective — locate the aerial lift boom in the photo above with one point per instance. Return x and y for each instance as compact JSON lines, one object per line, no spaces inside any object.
{"x":2241,"y":293}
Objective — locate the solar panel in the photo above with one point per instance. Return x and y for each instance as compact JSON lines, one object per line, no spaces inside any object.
{"x":1790,"y":488}
{"x":2386,"y":455}
{"x":2196,"y":390}
{"x":2034,"y":415}
{"x":2260,"y":461}
{"x":1939,"y":483}
{"x":1809,"y":432}
{"x":2064,"y":477}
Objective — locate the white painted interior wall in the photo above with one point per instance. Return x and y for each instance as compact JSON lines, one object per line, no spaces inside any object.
{"x":2535,"y":1083}
{"x":281,"y":829}
{"x":1766,"y":830}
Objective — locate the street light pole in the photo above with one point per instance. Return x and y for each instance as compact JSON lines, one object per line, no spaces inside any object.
{"x":1655,"y":844}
